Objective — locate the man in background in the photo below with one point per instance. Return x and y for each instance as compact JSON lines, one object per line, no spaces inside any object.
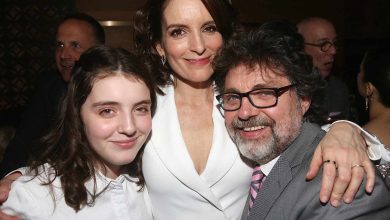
{"x":321,"y":44}
{"x":75,"y":34}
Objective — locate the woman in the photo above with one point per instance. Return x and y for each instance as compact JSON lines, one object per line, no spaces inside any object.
{"x":374,"y":85}
{"x":191,"y":167}
{"x":90,"y":164}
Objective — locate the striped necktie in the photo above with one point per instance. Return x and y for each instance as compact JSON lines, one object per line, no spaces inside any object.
{"x":256,"y":184}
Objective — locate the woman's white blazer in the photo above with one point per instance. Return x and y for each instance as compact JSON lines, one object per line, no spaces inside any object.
{"x":176,"y":190}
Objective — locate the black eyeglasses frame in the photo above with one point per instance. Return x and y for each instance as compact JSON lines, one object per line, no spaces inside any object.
{"x":278,"y":92}
{"x":324,"y":45}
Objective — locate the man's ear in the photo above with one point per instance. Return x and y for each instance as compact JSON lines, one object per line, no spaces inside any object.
{"x":305,"y":104}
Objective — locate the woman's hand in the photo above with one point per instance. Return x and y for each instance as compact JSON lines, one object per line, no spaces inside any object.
{"x":5,"y":187}
{"x":343,"y":154}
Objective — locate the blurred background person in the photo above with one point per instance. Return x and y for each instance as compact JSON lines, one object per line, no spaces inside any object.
{"x":76,"y":33}
{"x":374,"y":85}
{"x":321,"y":44}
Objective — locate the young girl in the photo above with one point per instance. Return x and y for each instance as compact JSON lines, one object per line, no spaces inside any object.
{"x":90,"y":166}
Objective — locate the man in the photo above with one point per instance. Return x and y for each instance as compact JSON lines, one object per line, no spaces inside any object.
{"x":321,"y":44}
{"x":267,"y":92}
{"x":75,"y":34}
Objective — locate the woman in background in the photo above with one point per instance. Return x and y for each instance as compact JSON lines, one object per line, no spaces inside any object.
{"x":374,"y":85}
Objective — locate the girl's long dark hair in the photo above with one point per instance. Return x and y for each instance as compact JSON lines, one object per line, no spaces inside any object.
{"x":65,"y":147}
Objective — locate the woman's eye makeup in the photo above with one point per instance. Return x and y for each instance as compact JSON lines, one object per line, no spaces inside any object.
{"x":211,"y":28}
{"x":176,"y":32}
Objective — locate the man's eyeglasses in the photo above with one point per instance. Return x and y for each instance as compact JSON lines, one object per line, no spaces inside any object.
{"x":259,"y":98}
{"x":325,"y":46}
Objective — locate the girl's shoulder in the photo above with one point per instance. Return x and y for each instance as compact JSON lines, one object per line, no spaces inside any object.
{"x":30,"y":197}
{"x":43,"y":175}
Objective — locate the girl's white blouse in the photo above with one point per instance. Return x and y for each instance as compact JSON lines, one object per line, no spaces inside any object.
{"x":29,"y":199}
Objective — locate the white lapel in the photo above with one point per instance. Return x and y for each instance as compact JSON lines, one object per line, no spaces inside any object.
{"x":174,"y":155}
{"x":223,"y":153}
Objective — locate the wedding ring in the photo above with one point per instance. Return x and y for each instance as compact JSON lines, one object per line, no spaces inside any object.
{"x":357,"y":165}
{"x":331,"y":161}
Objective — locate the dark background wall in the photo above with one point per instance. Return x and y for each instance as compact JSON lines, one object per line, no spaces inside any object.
{"x":27,"y":32}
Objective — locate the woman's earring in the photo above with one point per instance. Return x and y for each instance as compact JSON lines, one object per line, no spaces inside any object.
{"x":163,"y":60}
{"x":366,"y":99}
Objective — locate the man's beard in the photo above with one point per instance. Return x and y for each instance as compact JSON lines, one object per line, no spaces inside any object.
{"x":263,"y":150}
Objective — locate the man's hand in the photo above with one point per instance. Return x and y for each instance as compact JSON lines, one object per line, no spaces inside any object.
{"x":344,"y":151}
{"x":7,"y":217}
{"x":5,"y":185}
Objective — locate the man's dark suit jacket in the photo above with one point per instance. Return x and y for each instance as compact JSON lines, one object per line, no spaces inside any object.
{"x":336,"y":99}
{"x":286,"y":194}
{"x":35,"y":121}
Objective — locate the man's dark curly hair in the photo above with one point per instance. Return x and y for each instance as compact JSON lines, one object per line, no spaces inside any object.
{"x":275,"y":45}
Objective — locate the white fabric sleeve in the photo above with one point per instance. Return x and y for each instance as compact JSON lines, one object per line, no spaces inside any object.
{"x":375,"y":149}
{"x":20,"y":202}
{"x":22,"y":170}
